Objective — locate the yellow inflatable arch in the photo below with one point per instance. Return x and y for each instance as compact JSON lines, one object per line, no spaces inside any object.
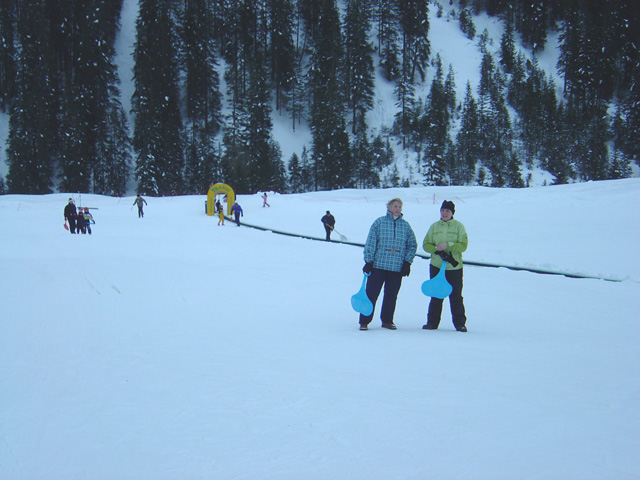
{"x":219,"y":189}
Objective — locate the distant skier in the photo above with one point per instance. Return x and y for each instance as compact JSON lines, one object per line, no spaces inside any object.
{"x":70,"y":215}
{"x":220,"y":217}
{"x":140,"y":202}
{"x":329,"y":222}
{"x":237,"y":212}
{"x":264,"y":200}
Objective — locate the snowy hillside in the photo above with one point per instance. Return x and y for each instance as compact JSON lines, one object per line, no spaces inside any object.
{"x":172,"y":348}
{"x":447,"y":40}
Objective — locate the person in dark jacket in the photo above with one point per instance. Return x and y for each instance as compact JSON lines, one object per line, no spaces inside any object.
{"x":70,"y":215}
{"x":388,"y":253}
{"x":329,"y":222}
{"x":237,"y":212}
{"x":81,"y":225}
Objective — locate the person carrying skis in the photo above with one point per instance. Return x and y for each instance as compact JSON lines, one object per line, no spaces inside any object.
{"x":388,"y":253}
{"x":140,"y":202}
{"x":447,"y":237}
{"x":329,"y":222}
{"x":70,"y":215}
{"x":237,"y":212}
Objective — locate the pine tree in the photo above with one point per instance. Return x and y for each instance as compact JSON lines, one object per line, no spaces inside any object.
{"x":8,"y":54}
{"x":468,"y":140}
{"x":382,"y":151}
{"x":202,"y":95}
{"x":295,"y":174}
{"x":514,"y":174}
{"x":413,"y":19}
{"x":331,"y":150}
{"x":283,"y":54}
{"x":466,"y":23}
{"x":113,"y":169}
{"x":531,"y":22}
{"x":594,"y":161}
{"x":436,"y":125}
{"x":364,"y":161}
{"x":307,"y":177}
{"x":387,"y":21}
{"x":554,"y":156}
{"x":359,"y":78}
{"x":263,"y":155}
{"x":507,"y":44}
{"x":158,"y":132}
{"x":450,"y":90}
{"x":91,"y":120}
{"x":32,"y":125}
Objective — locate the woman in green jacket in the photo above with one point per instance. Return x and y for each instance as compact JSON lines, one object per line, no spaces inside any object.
{"x":447,"y":237}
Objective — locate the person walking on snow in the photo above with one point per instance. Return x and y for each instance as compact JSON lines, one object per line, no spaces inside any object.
{"x":447,"y":236}
{"x":264,"y":200}
{"x":329,"y":222}
{"x":81,"y":224}
{"x":388,"y":253}
{"x":220,"y":217}
{"x":70,"y":215}
{"x":140,"y":202}
{"x":237,"y":212}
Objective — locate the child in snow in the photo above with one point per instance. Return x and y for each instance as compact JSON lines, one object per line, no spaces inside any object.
{"x":81,"y":225}
{"x":220,"y":217}
{"x":88,"y":220}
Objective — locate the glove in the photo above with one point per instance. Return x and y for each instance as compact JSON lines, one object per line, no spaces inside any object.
{"x":367,"y":267}
{"x":447,"y":257}
{"x":406,"y":269}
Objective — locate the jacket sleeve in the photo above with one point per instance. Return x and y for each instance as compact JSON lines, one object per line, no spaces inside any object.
{"x":371,"y":244}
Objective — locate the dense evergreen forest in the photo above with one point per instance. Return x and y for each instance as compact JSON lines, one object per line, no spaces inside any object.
{"x":314,"y":61}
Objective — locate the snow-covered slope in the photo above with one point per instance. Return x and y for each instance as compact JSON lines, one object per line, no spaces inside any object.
{"x":171,"y":348}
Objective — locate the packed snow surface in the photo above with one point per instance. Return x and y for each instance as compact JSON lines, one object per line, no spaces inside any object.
{"x":169,"y":347}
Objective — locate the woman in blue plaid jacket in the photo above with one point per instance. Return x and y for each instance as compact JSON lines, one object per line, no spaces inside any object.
{"x":388,"y":254}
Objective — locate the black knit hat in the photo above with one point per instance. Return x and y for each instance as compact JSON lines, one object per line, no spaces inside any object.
{"x":449,"y":205}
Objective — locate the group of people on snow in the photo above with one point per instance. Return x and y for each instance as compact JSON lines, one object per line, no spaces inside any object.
{"x":389,"y":252}
{"x":236,"y":211}
{"x":77,"y":220}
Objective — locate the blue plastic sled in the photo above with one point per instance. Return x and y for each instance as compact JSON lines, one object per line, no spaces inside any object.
{"x":438,"y":287}
{"x":360,"y":302}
